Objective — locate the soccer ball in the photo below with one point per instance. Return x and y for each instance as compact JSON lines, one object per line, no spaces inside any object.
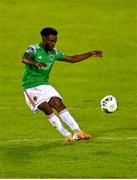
{"x":75,"y":137}
{"x":109,"y":104}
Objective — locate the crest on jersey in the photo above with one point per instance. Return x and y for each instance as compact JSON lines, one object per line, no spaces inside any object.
{"x":34,"y":98}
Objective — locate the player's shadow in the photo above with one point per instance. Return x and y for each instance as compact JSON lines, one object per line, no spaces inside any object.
{"x":18,"y":153}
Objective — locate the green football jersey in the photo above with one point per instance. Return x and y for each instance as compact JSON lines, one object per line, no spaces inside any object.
{"x":34,"y":76}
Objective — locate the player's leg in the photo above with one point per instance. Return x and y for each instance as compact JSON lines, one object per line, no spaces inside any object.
{"x":66,"y":117}
{"x":45,"y":108}
{"x":54,"y":120}
{"x":58,"y":105}
{"x":36,"y":101}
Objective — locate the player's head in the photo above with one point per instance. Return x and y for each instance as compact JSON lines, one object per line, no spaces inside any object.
{"x":49,"y":37}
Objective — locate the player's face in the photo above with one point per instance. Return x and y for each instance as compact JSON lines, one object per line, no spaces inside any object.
{"x":49,"y":41}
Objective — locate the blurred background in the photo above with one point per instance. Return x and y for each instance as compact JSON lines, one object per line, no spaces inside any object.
{"x":107,"y":25}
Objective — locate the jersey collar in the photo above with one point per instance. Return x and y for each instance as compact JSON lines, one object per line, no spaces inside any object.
{"x":42,"y":46}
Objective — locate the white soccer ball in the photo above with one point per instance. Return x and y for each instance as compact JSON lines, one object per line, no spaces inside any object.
{"x":109,"y":104}
{"x":75,"y":137}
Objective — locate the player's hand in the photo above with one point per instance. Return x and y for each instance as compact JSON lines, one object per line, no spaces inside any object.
{"x":40,"y":65}
{"x":97,"y":53}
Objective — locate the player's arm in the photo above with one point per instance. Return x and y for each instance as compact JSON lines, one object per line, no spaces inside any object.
{"x":81,"y":57}
{"x":26,"y":59}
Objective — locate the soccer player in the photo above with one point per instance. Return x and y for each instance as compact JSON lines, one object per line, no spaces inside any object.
{"x":39,"y":94}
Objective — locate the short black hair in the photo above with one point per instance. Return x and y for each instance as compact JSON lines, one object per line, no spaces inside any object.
{"x":48,"y":30}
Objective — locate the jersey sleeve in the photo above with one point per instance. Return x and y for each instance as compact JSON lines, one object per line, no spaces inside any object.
{"x":60,"y":55}
{"x":31,"y":50}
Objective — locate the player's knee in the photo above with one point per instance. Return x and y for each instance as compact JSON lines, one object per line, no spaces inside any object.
{"x":57,"y":104}
{"x":45,"y":108}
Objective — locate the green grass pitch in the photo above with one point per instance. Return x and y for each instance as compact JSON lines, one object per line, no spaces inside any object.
{"x":29,"y":146}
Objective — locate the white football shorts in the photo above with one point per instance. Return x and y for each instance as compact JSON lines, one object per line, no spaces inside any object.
{"x":39,"y":94}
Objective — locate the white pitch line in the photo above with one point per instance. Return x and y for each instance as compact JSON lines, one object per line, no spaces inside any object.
{"x":117,"y":138}
{"x":29,"y":140}
{"x":103,"y":138}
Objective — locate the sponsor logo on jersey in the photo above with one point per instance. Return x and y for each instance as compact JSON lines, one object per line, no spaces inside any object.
{"x":51,"y":57}
{"x":40,"y":57}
